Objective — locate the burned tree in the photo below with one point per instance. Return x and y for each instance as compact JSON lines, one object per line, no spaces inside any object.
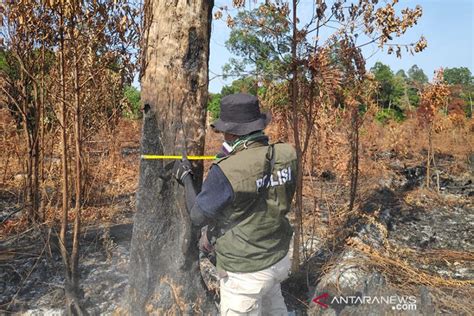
{"x":164,"y":269}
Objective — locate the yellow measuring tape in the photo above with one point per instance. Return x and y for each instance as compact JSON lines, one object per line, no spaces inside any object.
{"x":177,"y":157}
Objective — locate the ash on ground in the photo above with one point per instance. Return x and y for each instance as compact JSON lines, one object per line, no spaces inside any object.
{"x":31,"y":271}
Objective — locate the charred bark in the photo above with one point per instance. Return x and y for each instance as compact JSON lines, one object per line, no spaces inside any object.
{"x":164,"y":267}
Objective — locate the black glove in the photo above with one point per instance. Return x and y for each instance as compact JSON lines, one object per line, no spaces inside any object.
{"x":181,"y":169}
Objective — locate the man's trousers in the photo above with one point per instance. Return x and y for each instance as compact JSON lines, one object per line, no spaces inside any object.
{"x":255,"y":293}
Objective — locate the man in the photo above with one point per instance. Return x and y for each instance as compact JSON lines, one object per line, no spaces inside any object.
{"x":246,"y":195}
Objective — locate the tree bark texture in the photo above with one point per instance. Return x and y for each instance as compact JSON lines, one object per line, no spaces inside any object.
{"x":164,"y":267}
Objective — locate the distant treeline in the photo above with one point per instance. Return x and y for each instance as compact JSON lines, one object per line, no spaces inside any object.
{"x":397,"y":93}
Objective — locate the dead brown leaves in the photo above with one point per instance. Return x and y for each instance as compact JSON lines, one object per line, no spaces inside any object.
{"x":433,"y":97}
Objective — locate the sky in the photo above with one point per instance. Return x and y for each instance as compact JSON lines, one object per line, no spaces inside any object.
{"x":448,"y":26}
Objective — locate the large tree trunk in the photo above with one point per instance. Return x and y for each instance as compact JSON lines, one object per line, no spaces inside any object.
{"x":164,"y":269}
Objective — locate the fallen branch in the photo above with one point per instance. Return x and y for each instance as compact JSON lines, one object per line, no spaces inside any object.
{"x":11,"y":214}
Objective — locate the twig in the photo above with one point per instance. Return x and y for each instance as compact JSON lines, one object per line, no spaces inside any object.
{"x":288,"y":293}
{"x":26,"y":278}
{"x":11,"y":214}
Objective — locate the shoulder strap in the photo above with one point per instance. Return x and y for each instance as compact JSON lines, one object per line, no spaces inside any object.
{"x":268,"y":169}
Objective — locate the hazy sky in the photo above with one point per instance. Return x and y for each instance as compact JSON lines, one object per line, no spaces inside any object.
{"x":447,"y":25}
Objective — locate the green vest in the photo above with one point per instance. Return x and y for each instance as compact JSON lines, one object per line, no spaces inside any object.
{"x":259,"y":234}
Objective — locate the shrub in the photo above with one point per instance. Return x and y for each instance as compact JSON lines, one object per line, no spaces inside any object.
{"x":131,"y":110}
{"x":385,"y":115}
{"x":214,"y":105}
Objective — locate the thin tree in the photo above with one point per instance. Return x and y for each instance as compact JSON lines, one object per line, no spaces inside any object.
{"x":433,"y":98}
{"x":21,"y":32}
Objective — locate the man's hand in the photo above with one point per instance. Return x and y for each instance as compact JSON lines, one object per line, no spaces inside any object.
{"x":181,"y":169}
{"x":204,"y":243}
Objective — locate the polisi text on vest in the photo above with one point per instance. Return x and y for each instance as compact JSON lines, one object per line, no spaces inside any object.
{"x":282,"y":176}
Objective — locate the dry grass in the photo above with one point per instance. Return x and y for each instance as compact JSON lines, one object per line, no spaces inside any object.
{"x":109,"y":176}
{"x":409,"y":139}
{"x":396,"y":264}
{"x":213,"y":145}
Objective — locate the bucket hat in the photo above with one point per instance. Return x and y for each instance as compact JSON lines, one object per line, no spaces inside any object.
{"x":240,"y":115}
